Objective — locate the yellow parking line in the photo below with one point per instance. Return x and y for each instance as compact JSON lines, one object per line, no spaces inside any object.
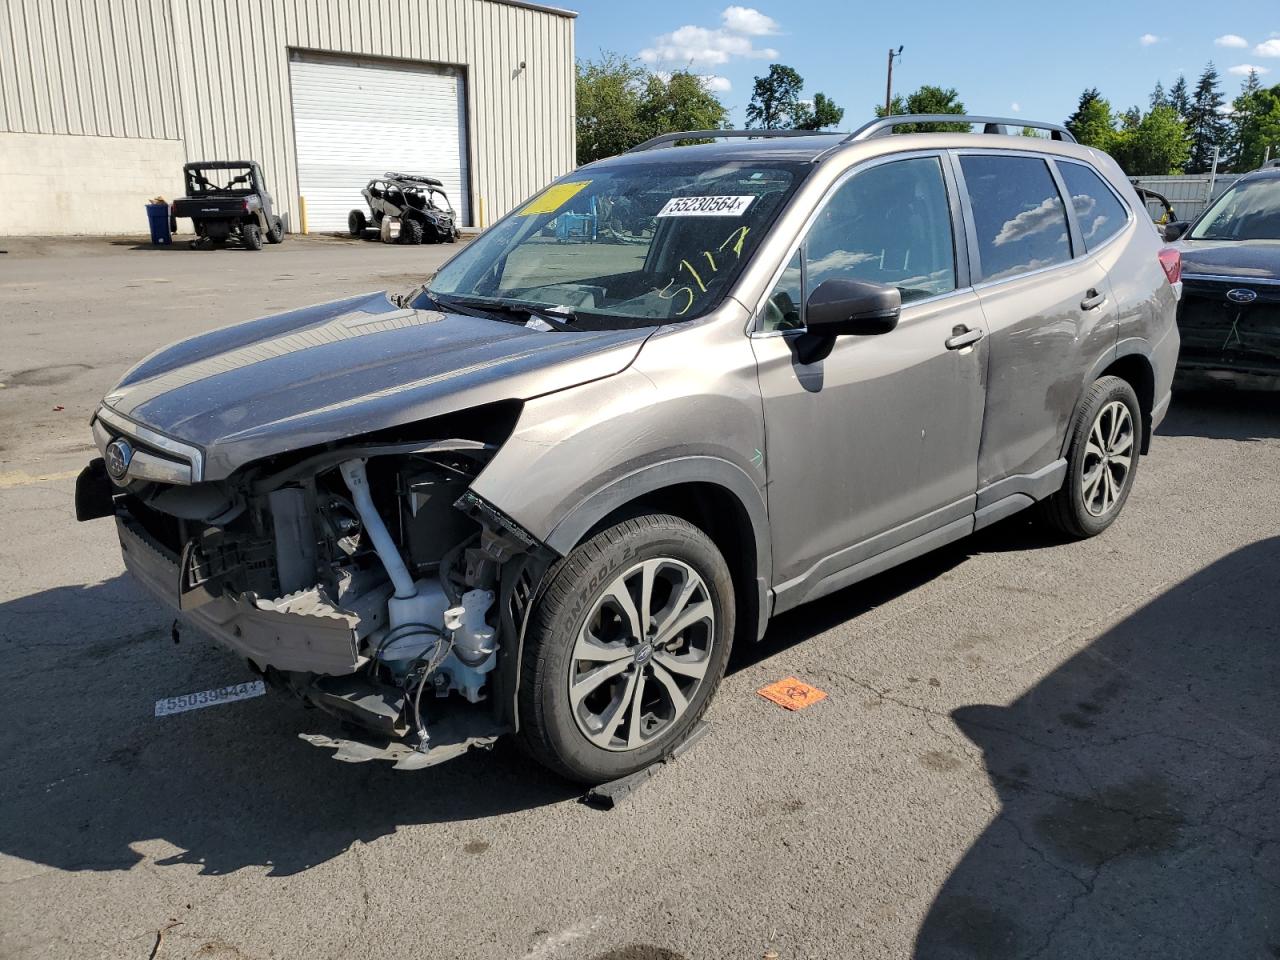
{"x":19,"y":478}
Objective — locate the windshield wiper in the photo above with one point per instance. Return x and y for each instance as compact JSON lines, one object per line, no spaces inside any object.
{"x":508,"y":312}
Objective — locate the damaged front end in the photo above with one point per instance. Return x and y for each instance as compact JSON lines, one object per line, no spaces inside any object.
{"x":365,"y":577}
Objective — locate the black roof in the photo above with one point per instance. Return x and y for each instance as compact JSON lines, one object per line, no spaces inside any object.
{"x":412,"y":178}
{"x":219,"y":164}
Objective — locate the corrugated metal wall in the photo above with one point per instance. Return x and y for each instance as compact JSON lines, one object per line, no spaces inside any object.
{"x":215,"y":74}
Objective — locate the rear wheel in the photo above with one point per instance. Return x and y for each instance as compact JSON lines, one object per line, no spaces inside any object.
{"x":251,"y":235}
{"x":1102,"y":461}
{"x":625,"y":649}
{"x":356,"y":223}
{"x":276,"y":233}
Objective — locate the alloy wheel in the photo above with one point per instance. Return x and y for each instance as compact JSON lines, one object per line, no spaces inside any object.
{"x":641,"y":654}
{"x":1108,"y":458}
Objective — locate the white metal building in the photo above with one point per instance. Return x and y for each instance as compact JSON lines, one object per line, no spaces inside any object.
{"x":102,"y":101}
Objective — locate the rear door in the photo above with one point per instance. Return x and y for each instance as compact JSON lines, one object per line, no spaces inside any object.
{"x":1048,"y":306}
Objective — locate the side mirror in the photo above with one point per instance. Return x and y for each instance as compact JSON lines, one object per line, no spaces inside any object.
{"x":843,"y":308}
{"x":1174,"y":231}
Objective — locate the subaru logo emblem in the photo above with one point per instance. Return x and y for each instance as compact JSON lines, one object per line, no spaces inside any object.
{"x":1241,"y":295}
{"x":118,"y":455}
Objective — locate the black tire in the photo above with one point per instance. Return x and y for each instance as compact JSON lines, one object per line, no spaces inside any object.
{"x":1074,"y":509}
{"x":276,"y":233}
{"x":410,"y":231}
{"x":577,"y":587}
{"x":356,"y":223}
{"x":251,"y":234}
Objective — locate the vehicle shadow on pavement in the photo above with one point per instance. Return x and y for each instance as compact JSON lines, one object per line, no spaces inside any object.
{"x":93,"y":781}
{"x":1223,"y":415}
{"x":1138,"y":787}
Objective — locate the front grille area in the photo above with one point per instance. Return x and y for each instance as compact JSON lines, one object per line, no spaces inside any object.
{"x":164,"y":529}
{"x":1217,"y":332}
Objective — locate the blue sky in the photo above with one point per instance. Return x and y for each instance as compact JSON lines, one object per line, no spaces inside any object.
{"x":1005,"y":58}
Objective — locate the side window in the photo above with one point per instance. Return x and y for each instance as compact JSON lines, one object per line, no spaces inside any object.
{"x":889,"y":224}
{"x":782,"y":309}
{"x":1019,"y":215}
{"x":1100,"y":214}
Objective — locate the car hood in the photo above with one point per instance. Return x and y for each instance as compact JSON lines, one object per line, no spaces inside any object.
{"x":1246,"y":259}
{"x":347,"y":368}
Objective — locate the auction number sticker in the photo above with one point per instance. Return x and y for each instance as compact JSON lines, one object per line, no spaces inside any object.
{"x":705,"y":207}
{"x":209,"y":698}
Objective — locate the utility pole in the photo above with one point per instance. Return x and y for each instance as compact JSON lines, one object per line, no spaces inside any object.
{"x":888,"y":86}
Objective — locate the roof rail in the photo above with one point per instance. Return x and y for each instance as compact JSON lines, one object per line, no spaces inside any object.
{"x":884,"y":125}
{"x":666,"y":138}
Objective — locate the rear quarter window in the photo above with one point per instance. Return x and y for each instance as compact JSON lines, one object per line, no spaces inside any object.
{"x":1098,"y":212}
{"x":1019,"y":215}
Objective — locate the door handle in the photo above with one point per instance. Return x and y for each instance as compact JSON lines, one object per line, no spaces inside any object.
{"x":1092,"y":300}
{"x":962,"y":337}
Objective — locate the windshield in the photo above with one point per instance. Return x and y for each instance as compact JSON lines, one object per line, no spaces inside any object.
{"x":235,"y":181}
{"x":1248,"y":211}
{"x":636,"y":245}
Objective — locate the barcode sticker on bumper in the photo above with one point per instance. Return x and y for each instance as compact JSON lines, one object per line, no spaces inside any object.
{"x":209,"y":698}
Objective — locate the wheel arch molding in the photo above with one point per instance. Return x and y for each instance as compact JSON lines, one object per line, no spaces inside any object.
{"x":1130,"y":360}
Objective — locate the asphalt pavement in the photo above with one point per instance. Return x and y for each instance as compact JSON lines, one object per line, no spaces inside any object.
{"x":1028,"y":748}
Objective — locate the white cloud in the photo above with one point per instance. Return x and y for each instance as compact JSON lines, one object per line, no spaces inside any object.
{"x":1147,"y":39}
{"x":692,"y":45}
{"x":748,"y":21}
{"x":700,"y":45}
{"x":1048,"y":215}
{"x":1231,"y":40}
{"x":1015,"y":107}
{"x":1243,"y":69}
{"x":717,"y":84}
{"x":1268,"y":48}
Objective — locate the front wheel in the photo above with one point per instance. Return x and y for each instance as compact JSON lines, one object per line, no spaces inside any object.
{"x":1106,"y":440}
{"x":356,"y":223}
{"x":410,"y":232}
{"x":276,"y":233}
{"x":625,"y":649}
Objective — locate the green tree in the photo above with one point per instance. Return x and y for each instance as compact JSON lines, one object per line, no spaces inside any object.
{"x":777,"y":103}
{"x":680,"y":101}
{"x":620,"y":104}
{"x":1205,"y":124}
{"x":1158,"y":97}
{"x":1255,"y":122}
{"x":1092,"y":123}
{"x":608,"y":105}
{"x":1155,"y":146}
{"x":775,"y":98}
{"x":821,"y":114}
{"x":1179,"y":98}
{"x":928,"y":99}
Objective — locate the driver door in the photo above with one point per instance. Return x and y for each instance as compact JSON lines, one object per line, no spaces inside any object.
{"x":876,"y":445}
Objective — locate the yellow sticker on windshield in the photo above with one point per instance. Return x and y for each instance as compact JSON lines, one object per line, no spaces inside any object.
{"x":553,"y":198}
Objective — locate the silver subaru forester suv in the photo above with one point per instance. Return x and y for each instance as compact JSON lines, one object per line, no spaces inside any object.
{"x":675,"y":393}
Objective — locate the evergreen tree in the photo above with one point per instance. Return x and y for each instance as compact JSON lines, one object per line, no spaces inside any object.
{"x":1179,"y":98}
{"x":1158,"y":98}
{"x":1205,"y":123}
{"x":1092,"y":124}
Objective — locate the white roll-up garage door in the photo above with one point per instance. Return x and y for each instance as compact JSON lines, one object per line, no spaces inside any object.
{"x":354,"y":120}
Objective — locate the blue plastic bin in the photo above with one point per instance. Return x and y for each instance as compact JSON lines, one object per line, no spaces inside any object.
{"x":158,"y":218}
